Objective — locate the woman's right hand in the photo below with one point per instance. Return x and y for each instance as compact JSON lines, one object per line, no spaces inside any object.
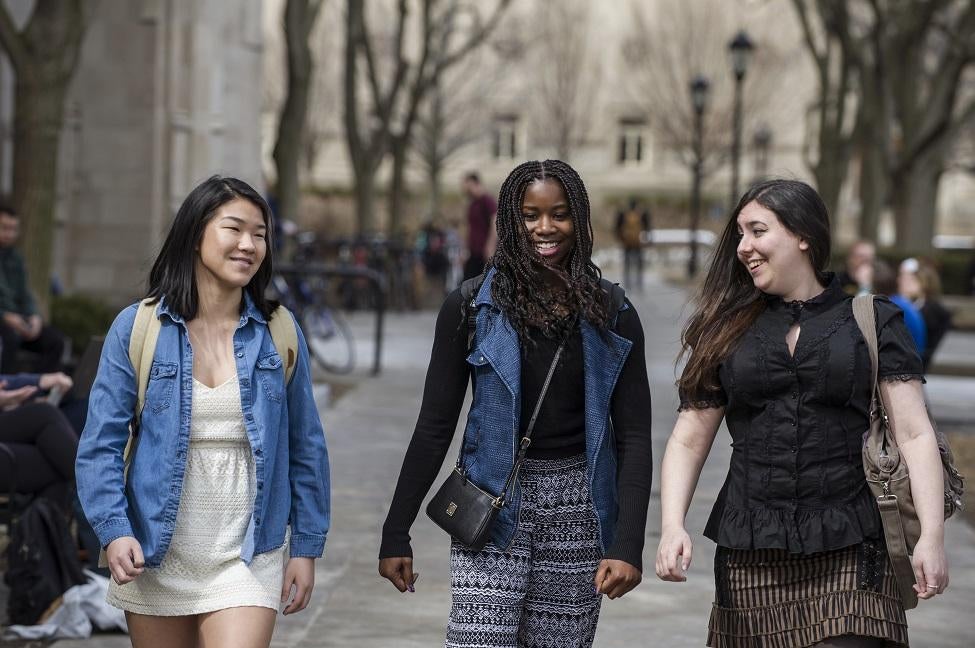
{"x":673,"y":555}
{"x":399,"y":572}
{"x":125,"y":559}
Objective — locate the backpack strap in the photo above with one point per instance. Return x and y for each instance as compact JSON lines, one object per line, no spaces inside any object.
{"x":142,"y":348}
{"x":617,"y":297}
{"x":468,"y":293}
{"x":284,"y":333}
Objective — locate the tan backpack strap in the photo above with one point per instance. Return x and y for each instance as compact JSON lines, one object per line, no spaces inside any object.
{"x":142,"y":348}
{"x":284,"y":333}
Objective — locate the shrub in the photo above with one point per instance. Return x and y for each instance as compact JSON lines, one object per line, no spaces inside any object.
{"x":80,"y":317}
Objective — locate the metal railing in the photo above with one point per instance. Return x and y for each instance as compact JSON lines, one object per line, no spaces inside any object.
{"x":377,"y":285}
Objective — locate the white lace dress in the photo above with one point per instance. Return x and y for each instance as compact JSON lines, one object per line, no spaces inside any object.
{"x":202,"y":570}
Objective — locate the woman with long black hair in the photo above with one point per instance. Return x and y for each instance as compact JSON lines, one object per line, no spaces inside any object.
{"x":572,"y":527}
{"x":215,"y":521}
{"x":774,"y":350}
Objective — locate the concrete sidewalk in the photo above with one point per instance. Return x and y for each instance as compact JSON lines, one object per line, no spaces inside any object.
{"x":368,"y":430}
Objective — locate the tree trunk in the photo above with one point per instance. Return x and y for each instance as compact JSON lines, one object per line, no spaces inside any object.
{"x":298,"y":21}
{"x":364,"y":190}
{"x":436,"y":195}
{"x":396,"y":200}
{"x":38,"y":111}
{"x":914,"y":201}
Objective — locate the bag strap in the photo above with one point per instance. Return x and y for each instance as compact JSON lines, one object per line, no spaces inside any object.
{"x":865,"y":314}
{"x":284,"y":334}
{"x":527,"y":439}
{"x":142,"y":348}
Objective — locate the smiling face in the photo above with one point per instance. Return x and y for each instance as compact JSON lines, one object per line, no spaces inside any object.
{"x":545,"y":211}
{"x":233,"y":245}
{"x":775,"y":258}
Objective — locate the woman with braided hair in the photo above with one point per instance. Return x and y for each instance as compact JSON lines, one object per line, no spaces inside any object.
{"x":572,"y":526}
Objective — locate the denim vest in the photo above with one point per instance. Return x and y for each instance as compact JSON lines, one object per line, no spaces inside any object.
{"x":492,"y":431}
{"x":282,"y":424}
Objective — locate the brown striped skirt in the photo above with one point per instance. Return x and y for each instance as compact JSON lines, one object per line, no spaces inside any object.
{"x":769,"y":598}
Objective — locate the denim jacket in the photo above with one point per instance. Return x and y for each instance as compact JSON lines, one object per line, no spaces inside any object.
{"x":493,"y":422}
{"x":282,"y":424}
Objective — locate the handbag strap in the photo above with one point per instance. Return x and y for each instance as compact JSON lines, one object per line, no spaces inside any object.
{"x":527,"y":439}
{"x":865,"y":314}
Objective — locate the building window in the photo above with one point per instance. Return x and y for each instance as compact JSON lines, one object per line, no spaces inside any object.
{"x":631,"y":141}
{"x":504,"y":140}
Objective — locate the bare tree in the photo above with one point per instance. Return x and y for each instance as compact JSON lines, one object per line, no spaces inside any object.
{"x":901,"y":65}
{"x":453,"y":115}
{"x":830,"y":129}
{"x":665,"y":49}
{"x":44,"y":56}
{"x":299,"y":20}
{"x":566,"y":92}
{"x":448,"y":30}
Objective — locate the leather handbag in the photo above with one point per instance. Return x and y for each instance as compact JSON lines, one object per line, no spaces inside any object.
{"x":466,"y":511}
{"x":887,"y":474}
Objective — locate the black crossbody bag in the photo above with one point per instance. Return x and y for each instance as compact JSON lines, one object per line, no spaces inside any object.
{"x":466,"y":511}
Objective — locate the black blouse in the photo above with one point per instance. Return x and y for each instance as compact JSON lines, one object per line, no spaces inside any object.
{"x":796,"y":478}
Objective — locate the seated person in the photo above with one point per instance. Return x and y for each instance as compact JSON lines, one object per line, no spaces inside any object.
{"x":21,"y":327}
{"x":41,"y":440}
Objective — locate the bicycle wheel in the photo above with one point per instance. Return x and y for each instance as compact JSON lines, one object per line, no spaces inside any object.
{"x":329,"y":339}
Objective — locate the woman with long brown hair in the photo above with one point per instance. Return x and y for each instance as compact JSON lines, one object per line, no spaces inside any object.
{"x":775,"y":352}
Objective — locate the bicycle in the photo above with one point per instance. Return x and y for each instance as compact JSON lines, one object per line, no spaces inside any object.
{"x":327,"y":333}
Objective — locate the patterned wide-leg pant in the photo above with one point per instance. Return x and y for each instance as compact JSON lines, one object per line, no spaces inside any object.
{"x":539,"y":593}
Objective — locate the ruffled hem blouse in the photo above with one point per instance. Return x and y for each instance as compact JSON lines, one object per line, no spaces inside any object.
{"x":797,"y":421}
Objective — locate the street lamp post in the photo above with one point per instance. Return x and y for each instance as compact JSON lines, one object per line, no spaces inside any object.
{"x":699,"y":97}
{"x":741,"y":48}
{"x":762,"y":140}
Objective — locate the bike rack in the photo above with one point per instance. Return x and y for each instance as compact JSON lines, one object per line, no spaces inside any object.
{"x":377,"y":281}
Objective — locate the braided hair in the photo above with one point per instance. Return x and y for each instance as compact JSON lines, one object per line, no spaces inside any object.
{"x":519,"y":287}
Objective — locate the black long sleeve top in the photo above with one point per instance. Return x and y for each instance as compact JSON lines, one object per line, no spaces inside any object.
{"x":559,"y":432}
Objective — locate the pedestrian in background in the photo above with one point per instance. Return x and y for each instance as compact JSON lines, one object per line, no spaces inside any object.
{"x":21,"y":325}
{"x":229,"y":473}
{"x":857,"y":276}
{"x":920,"y":283}
{"x":885,"y":282}
{"x":632,"y":228}
{"x":775,"y":352}
{"x":481,"y":236}
{"x":572,"y":529}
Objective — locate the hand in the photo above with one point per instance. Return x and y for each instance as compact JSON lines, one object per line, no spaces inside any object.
{"x":930,"y":567}
{"x":674,"y":555}
{"x":17,"y":323}
{"x":51,"y":380}
{"x":125,"y":559}
{"x":614,"y":578}
{"x":13,"y":398}
{"x":399,"y":572}
{"x":34,"y":325}
{"x":299,"y":580}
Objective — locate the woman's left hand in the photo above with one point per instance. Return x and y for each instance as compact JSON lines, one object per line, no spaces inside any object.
{"x":614,"y":578}
{"x":930,"y":567}
{"x":299,"y":575}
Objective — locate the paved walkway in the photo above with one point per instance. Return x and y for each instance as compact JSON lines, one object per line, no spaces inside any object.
{"x":368,"y":430}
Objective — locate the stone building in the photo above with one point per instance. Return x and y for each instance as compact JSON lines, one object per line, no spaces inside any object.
{"x":167,"y":93}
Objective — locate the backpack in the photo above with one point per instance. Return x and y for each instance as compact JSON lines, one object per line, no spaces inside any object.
{"x":631,"y":229}
{"x":470,"y":288}
{"x":42,"y":562}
